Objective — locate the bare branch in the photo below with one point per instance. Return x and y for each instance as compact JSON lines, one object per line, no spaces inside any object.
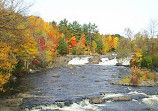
{"x":153,"y":28}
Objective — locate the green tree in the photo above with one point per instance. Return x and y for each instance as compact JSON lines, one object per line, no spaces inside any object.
{"x":63,"y":47}
{"x":99,"y":47}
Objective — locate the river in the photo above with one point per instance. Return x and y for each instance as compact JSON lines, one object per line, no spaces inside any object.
{"x":78,"y":82}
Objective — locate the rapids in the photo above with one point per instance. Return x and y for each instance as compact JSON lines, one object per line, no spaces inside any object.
{"x":78,"y":83}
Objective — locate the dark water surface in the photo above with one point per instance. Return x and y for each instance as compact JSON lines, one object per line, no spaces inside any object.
{"x":76,"y":84}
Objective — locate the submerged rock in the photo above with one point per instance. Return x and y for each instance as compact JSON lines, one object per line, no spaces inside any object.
{"x":22,"y":95}
{"x":56,"y":75}
{"x":71,"y":67}
{"x":97,"y":80}
{"x":121,"y":98}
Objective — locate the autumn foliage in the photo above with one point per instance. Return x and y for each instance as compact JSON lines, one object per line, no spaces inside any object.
{"x":28,"y":42}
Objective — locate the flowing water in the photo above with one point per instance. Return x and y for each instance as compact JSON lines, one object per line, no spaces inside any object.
{"x":78,"y":82}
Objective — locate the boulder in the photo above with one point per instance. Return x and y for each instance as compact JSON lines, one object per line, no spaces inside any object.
{"x":96,"y":100}
{"x":110,"y":57}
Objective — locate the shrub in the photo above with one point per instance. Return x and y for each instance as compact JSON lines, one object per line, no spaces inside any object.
{"x":138,"y":75}
{"x":146,"y":61}
{"x":152,"y":76}
{"x":126,"y":79}
{"x":155,"y":60}
{"x":134,"y":79}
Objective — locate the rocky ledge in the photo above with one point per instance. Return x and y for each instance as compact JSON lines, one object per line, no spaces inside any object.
{"x":99,"y":100}
{"x":13,"y":103}
{"x":148,"y":83}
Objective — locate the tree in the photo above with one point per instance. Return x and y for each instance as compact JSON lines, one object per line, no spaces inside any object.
{"x":14,"y":37}
{"x":99,"y":47}
{"x":65,"y":28}
{"x":63,"y":47}
{"x":124,"y":48}
{"x":137,"y":58}
{"x":81,"y":44}
{"x":152,"y":28}
{"x":94,"y":46}
{"x":116,"y":40}
{"x":76,"y":29}
{"x":128,"y":33}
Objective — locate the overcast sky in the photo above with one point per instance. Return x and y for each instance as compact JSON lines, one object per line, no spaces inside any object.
{"x":111,"y":16}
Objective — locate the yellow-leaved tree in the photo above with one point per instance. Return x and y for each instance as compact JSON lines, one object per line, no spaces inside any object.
{"x":7,"y":63}
{"x":116,"y":42}
{"x":137,"y":58}
{"x":94,"y":46}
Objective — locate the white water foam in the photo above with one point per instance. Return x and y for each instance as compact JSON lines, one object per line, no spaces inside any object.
{"x":151,"y":102}
{"x":106,"y":61}
{"x":111,"y":95}
{"x":79,"y":61}
{"x":125,"y":61}
{"x":82,"y":106}
{"x":137,"y":93}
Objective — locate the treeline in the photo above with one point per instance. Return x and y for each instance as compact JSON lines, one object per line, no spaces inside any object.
{"x":143,"y":47}
{"x":28,"y":42}
{"x":84,"y":39}
{"x":144,"y":61}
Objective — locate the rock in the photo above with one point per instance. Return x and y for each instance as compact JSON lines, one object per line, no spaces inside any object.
{"x":68,"y":103}
{"x":82,"y":76}
{"x":96,"y":100}
{"x":148,"y":83}
{"x":109,"y":81}
{"x":13,"y":79}
{"x":110,"y":57}
{"x":121,"y":98}
{"x":119,"y":76}
{"x":94,"y":60}
{"x":5,"y":108}
{"x":118,"y":64}
{"x":97,"y":80}
{"x":12,"y":102}
{"x":113,"y":76}
{"x":56,"y":75}
{"x":22,"y":95}
{"x":71,"y":67}
{"x":38,"y":88}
